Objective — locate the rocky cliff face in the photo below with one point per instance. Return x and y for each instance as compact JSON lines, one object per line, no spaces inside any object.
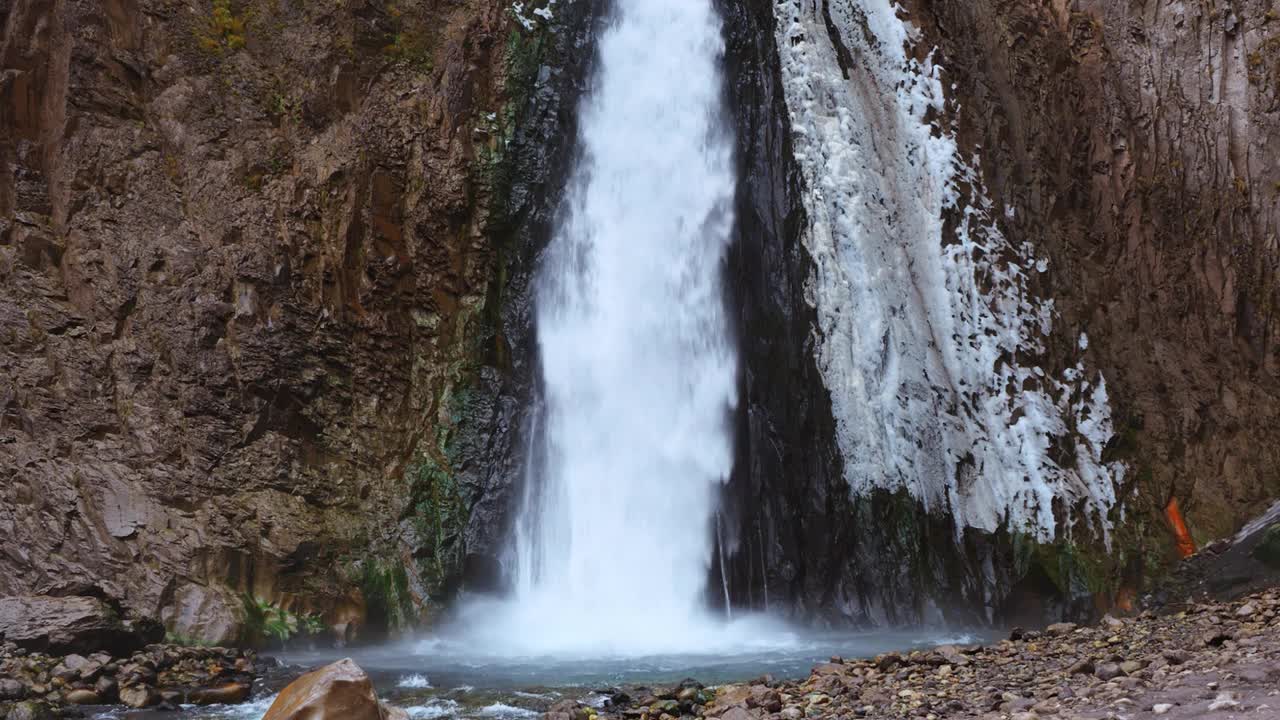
{"x":264,"y":319}
{"x":249,"y":255}
{"x":1124,"y":143}
{"x":1131,"y":140}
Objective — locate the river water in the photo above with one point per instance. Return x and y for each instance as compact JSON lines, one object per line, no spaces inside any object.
{"x":448,"y":677}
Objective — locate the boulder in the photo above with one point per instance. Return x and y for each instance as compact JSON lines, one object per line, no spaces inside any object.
{"x":339,"y":691}
{"x":57,"y":625}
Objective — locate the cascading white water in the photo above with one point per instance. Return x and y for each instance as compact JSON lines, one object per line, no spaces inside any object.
{"x":638,"y":371}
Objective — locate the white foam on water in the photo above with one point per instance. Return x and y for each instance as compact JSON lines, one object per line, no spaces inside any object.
{"x":434,"y":709}
{"x":414,"y":681}
{"x":502,"y":710}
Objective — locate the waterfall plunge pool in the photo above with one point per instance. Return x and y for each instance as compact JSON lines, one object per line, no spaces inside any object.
{"x":456,"y":675}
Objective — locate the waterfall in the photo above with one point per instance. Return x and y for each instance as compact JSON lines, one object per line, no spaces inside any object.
{"x":638,"y":370}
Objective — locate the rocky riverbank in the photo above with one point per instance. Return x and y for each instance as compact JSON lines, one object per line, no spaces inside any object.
{"x":1215,"y":659}
{"x":38,"y":685}
{"x":57,"y":653}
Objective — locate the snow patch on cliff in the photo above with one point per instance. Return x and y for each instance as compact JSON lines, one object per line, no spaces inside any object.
{"x":928,"y":334}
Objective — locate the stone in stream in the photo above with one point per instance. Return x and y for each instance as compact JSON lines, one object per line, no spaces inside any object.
{"x":339,"y":691}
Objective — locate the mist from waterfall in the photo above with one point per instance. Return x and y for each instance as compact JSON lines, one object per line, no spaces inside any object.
{"x":633,"y":437}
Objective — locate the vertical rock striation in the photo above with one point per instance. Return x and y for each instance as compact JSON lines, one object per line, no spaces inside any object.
{"x":956,"y":280}
{"x":252,"y":256}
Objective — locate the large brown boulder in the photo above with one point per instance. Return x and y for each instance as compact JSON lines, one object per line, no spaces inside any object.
{"x":59,"y":625}
{"x":340,"y":691}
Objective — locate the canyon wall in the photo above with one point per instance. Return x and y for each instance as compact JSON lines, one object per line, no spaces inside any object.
{"x":1126,"y":144}
{"x":264,"y":298}
{"x":250,"y":280}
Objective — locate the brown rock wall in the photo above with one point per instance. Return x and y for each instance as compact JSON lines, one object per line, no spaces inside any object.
{"x":237,"y":258}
